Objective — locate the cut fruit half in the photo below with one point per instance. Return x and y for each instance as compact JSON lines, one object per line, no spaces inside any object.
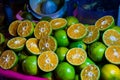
{"x":77,"y":31}
{"x":47,"y":43}
{"x":8,"y":59}
{"x":25,"y":28}
{"x":76,"y":56}
{"x":105,"y":22}
{"x":90,"y":72}
{"x":58,"y":23}
{"x":112,"y":54}
{"x":16,"y":43}
{"x":32,"y":46}
{"x":42,"y":29}
{"x":111,"y":37}
{"x":13,"y":27}
{"x":47,"y":61}
{"x":92,"y":36}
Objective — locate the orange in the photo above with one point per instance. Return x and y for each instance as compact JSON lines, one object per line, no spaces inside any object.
{"x":112,"y":54}
{"x":92,"y":36}
{"x":105,"y":22}
{"x":90,"y":72}
{"x":42,"y":29}
{"x":77,"y":31}
{"x":25,"y":28}
{"x":76,"y":56}
{"x":8,"y":59}
{"x":110,"y":72}
{"x":47,"y":61}
{"x":111,"y":37}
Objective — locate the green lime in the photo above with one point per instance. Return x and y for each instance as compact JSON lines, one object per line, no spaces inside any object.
{"x":78,"y":44}
{"x":27,"y":16}
{"x":8,"y":59}
{"x":61,"y":37}
{"x":29,"y":65}
{"x":64,"y":71}
{"x":110,"y":72}
{"x":46,"y":18}
{"x":71,"y":20}
{"x":97,"y":51}
{"x":61,"y":53}
{"x":2,"y":38}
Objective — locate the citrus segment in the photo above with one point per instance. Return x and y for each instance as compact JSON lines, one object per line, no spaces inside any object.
{"x":77,"y":31}
{"x":13,"y":27}
{"x":16,"y":43}
{"x":90,"y":72}
{"x":32,"y":46}
{"x":8,"y":59}
{"x":42,"y":29}
{"x":76,"y":56}
{"x":47,"y":43}
{"x":25,"y":28}
{"x":92,"y":36}
{"x":105,"y":22}
{"x":47,"y":61}
{"x":58,"y":23}
{"x":112,"y":54}
{"x":111,"y":37}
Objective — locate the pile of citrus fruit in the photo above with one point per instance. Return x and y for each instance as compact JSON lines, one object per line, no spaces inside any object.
{"x":63,"y":49}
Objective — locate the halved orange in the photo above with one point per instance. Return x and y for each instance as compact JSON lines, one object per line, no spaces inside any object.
{"x":32,"y":46}
{"x":42,"y":29}
{"x":77,"y":31}
{"x":8,"y":59}
{"x":47,"y":43}
{"x":25,"y":28}
{"x":90,"y":72}
{"x":58,"y":23}
{"x":112,"y":54}
{"x":76,"y":56}
{"x":13,"y":27}
{"x":92,"y":36}
{"x":16,"y":43}
{"x":47,"y":61}
{"x":105,"y":22}
{"x":111,"y":37}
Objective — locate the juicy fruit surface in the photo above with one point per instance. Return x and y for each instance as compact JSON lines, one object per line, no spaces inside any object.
{"x":111,"y":37}
{"x":58,"y":23}
{"x":110,"y":72}
{"x":47,"y":61}
{"x":76,"y":56}
{"x":92,"y":35}
{"x":25,"y":28}
{"x":105,"y":22}
{"x":90,"y":72}
{"x":112,"y":54}
{"x":64,"y":71}
{"x":42,"y":29}
{"x":8,"y":59}
{"x":32,"y":46}
{"x":77,"y":31}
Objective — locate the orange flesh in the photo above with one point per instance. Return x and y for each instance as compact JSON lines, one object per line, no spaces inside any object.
{"x":7,"y":59}
{"x":76,"y":31}
{"x":32,"y":46}
{"x":58,"y":23}
{"x":16,"y":42}
{"x":76,"y":56}
{"x":111,"y":37}
{"x":113,"y":54}
{"x":90,"y":72}
{"x":13,"y":28}
{"x":47,"y":61}
{"x":47,"y":43}
{"x":93,"y":34}
{"x":42,"y":29}
{"x":104,"y":22}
